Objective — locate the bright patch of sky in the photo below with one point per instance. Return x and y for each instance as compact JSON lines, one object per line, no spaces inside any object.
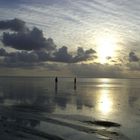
{"x":77,"y":23}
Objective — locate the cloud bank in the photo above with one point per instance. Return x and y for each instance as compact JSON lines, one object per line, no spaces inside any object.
{"x":33,"y":47}
{"x":97,"y":70}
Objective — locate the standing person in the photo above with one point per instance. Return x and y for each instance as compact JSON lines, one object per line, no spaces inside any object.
{"x":56,"y":82}
{"x":75,"y":83}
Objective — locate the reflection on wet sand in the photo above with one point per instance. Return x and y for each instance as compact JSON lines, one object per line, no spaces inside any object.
{"x":36,"y":96}
{"x":95,"y":99}
{"x":105,"y":102}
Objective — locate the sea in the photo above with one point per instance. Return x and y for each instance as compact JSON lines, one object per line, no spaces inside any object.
{"x":37,"y":108}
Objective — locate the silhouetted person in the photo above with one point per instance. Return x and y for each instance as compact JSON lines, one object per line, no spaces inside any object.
{"x":75,"y":83}
{"x":56,"y":82}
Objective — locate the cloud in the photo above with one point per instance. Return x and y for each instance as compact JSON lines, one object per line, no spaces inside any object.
{"x":134,"y":66}
{"x":83,"y":55}
{"x":14,"y":25}
{"x":33,"y":47}
{"x":43,"y":55}
{"x":3,"y":52}
{"x":30,"y":40}
{"x":21,"y":59}
{"x":34,"y":57}
{"x":96,"y":70}
{"x":133,"y":57}
{"x":62,"y":55}
{"x":134,"y":63}
{"x":44,"y":59}
{"x":23,"y":38}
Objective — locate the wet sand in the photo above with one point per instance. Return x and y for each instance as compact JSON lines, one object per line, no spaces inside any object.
{"x":98,"y":109}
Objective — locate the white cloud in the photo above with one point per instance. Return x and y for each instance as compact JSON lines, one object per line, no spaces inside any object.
{"x":77,"y":22}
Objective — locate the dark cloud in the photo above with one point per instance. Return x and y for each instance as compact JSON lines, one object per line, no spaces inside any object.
{"x":3,"y":52}
{"x":31,"y":40}
{"x":43,"y":55}
{"x":83,"y":55}
{"x":14,"y":25}
{"x":21,"y":59}
{"x":35,"y":47}
{"x":23,"y":56}
{"x":133,"y":57}
{"x":62,"y":55}
{"x":134,"y":63}
{"x":23,"y":38}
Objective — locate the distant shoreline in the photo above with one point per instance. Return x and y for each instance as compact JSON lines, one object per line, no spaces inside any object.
{"x":65,"y":77}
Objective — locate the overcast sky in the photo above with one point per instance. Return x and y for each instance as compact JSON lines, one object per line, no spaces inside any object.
{"x":94,"y":38}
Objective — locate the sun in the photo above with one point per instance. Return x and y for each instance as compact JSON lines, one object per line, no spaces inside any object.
{"x":106,"y":47}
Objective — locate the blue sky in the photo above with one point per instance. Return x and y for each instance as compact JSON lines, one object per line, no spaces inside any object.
{"x":79,"y":23}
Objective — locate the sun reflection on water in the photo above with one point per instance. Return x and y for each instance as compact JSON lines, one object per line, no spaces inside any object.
{"x":105,"y":102}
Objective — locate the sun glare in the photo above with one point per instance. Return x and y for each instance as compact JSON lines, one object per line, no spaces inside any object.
{"x":105,"y":105}
{"x":106,"y":46}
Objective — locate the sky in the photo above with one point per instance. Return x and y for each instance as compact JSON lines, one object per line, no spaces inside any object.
{"x":85,"y":38}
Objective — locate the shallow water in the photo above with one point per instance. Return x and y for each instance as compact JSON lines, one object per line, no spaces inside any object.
{"x":31,"y":108}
